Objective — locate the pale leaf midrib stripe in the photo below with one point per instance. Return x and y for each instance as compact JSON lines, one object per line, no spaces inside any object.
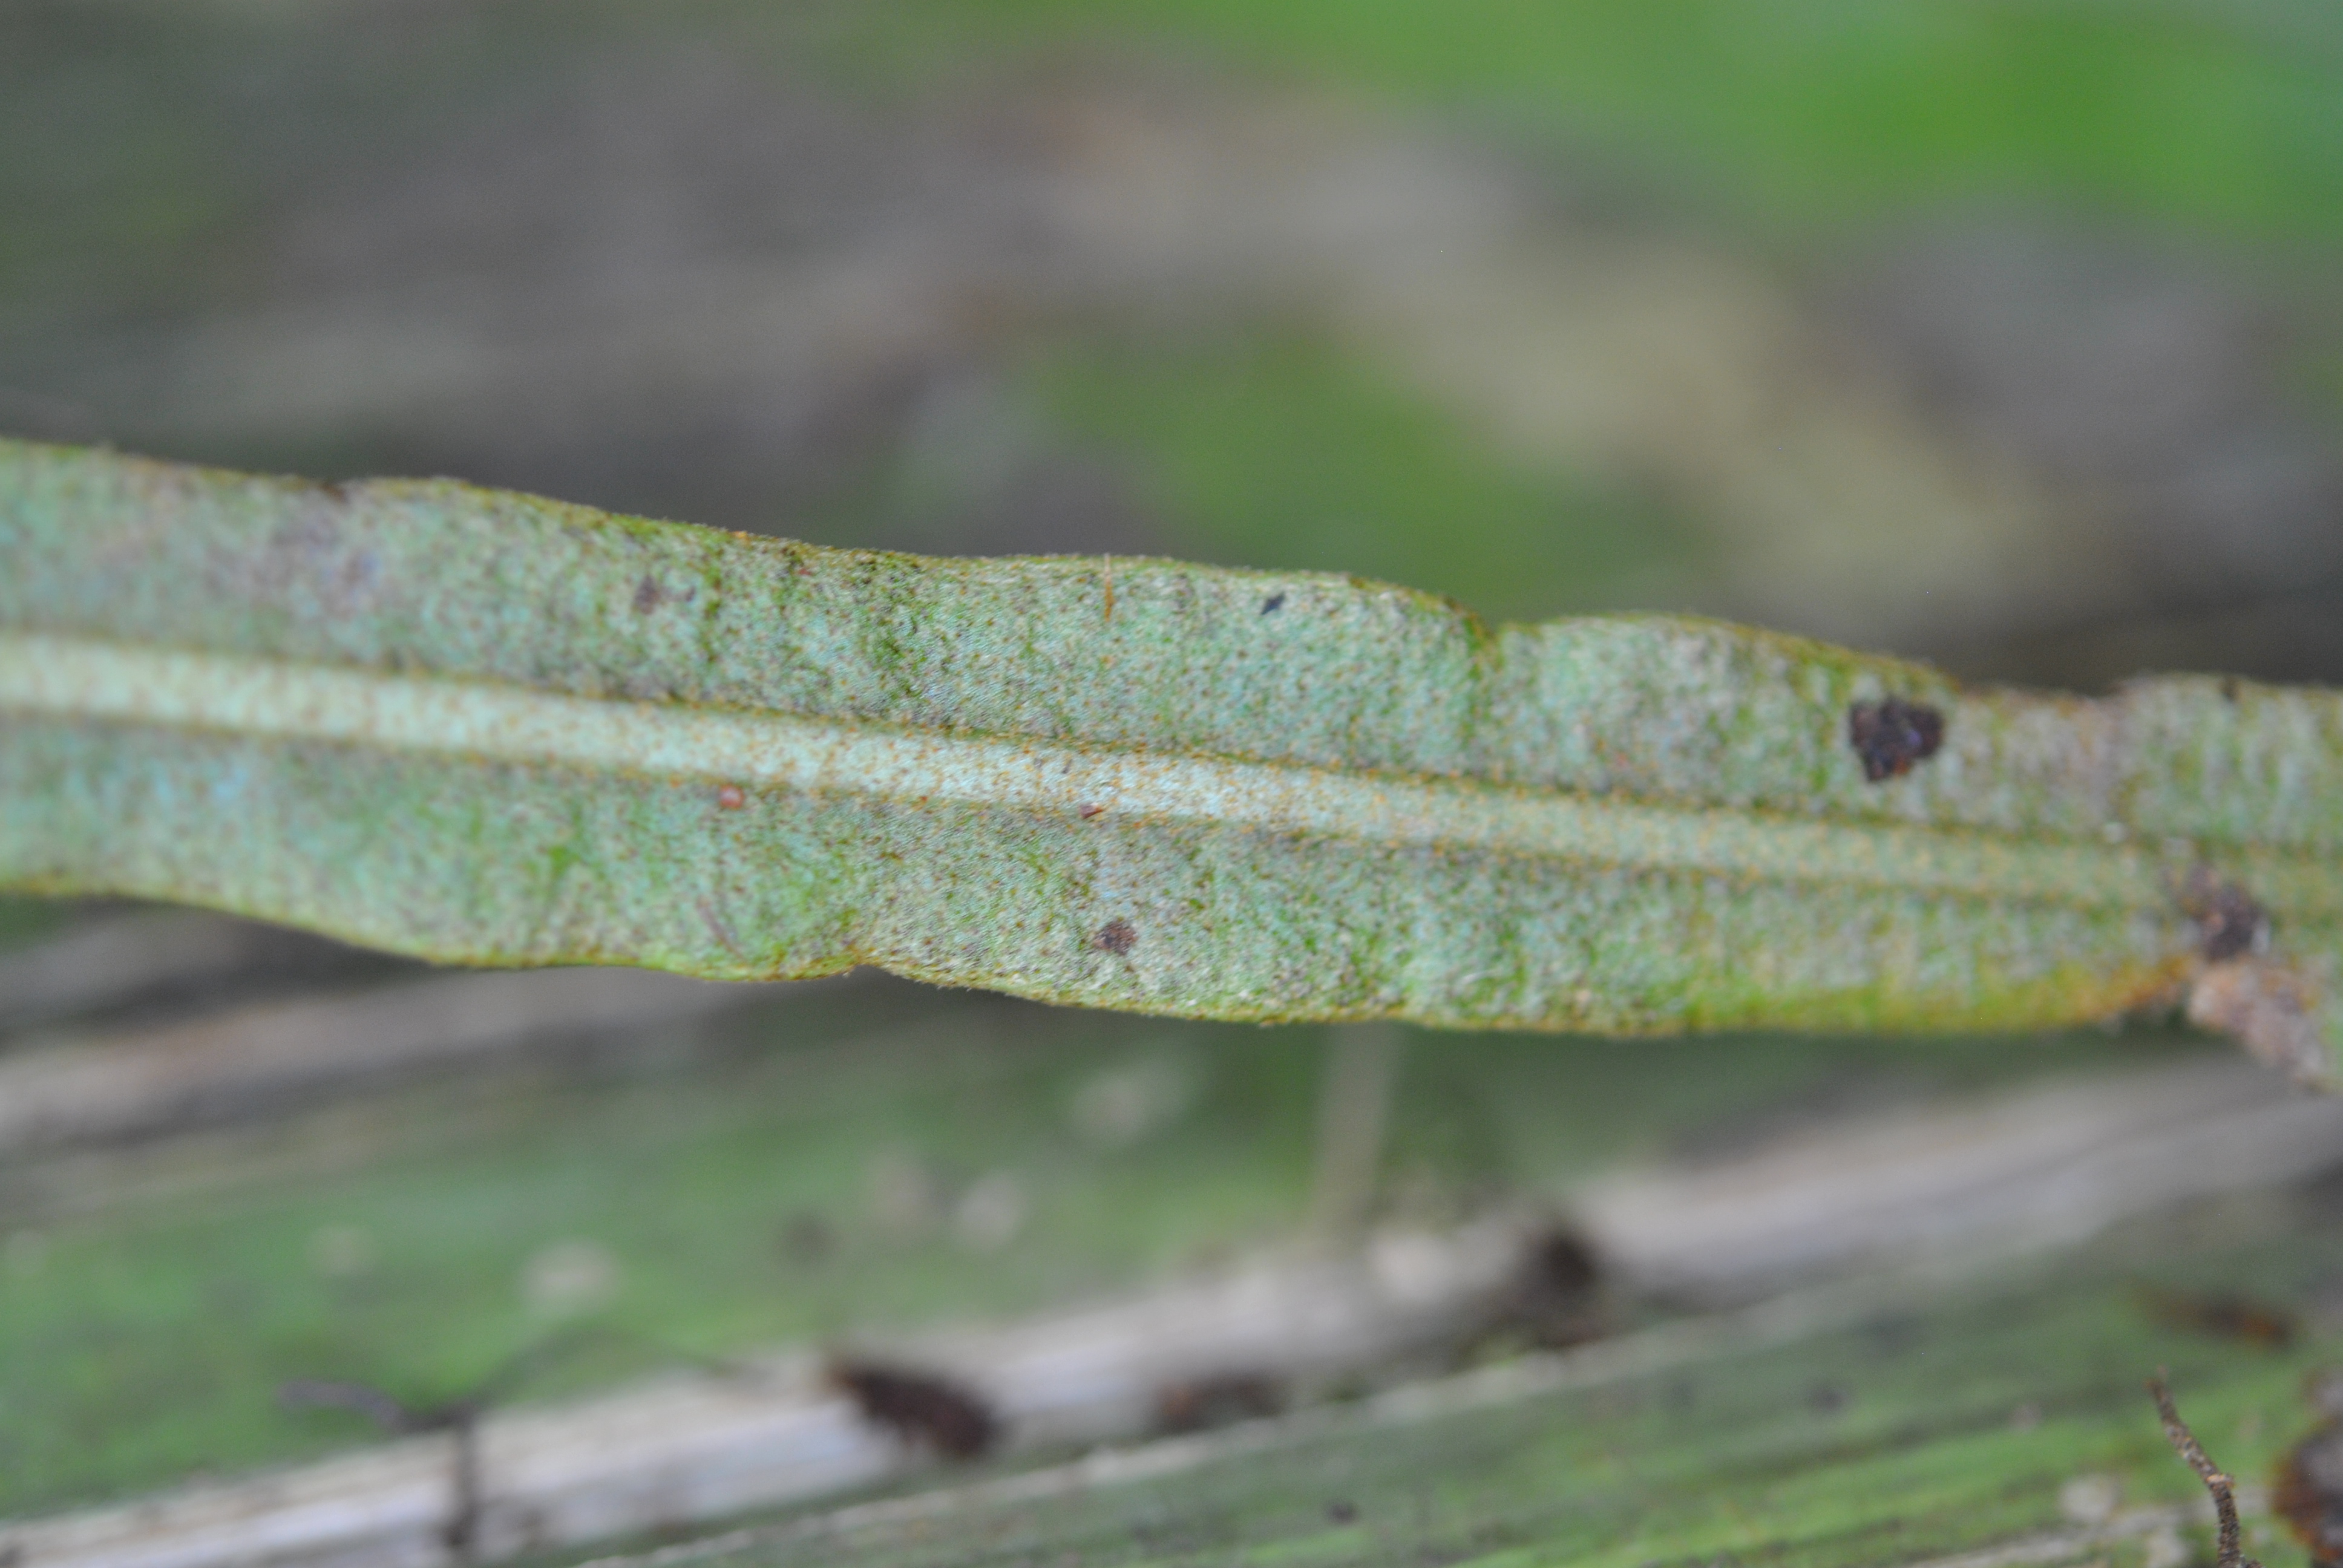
{"x":111,"y":682}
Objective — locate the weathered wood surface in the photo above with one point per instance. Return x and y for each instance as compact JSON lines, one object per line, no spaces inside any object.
{"x":1977,"y":1425}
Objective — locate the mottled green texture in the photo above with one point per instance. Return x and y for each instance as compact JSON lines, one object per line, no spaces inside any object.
{"x":1278,"y":796}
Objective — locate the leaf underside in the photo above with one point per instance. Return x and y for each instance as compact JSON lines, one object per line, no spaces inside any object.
{"x":489,"y":728}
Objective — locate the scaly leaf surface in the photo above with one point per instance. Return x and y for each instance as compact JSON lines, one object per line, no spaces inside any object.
{"x":490,"y":729}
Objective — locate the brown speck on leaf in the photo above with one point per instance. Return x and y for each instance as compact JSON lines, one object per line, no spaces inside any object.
{"x":1891,"y":735}
{"x":2221,"y":1316}
{"x":1222,"y":1399}
{"x":920,"y":1408}
{"x":2231,"y":1547}
{"x":2229,"y":688}
{"x":2230,"y":923}
{"x":1272,"y":604}
{"x":1117,"y":937}
{"x":732,"y":797}
{"x":1087,"y":813}
{"x":649,"y":594}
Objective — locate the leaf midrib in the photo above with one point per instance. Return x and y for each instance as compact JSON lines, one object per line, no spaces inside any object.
{"x":89,"y":679}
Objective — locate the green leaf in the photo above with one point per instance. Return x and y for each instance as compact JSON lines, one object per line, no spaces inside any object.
{"x":490,"y":729}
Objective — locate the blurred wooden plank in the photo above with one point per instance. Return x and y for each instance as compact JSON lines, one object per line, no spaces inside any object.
{"x":112,"y":958}
{"x":2045,"y":1166}
{"x":1921,"y":1200}
{"x":250,"y":1059}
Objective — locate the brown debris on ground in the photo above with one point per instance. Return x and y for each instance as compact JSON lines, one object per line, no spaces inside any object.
{"x":2222,"y":1315}
{"x":922,"y":1409}
{"x":2306,"y":1491}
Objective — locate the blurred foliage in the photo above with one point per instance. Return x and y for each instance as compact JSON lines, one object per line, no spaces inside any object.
{"x":1792,"y":118}
{"x":1283,"y":452}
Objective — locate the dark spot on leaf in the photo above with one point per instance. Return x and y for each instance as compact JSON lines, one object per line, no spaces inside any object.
{"x":1272,"y":604}
{"x":1826,"y":1398}
{"x":732,"y":797}
{"x":2229,"y":923}
{"x":1222,"y":1399}
{"x":1089,"y":811}
{"x":1117,"y":937}
{"x":649,"y":595}
{"x":2229,"y":688}
{"x":2220,"y":1316}
{"x":1342,"y":1510}
{"x":1890,"y":736}
{"x":920,"y":1408}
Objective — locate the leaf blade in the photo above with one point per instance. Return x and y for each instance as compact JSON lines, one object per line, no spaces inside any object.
{"x":496,"y":729}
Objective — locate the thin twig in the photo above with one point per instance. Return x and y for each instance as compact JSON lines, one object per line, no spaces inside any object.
{"x":2231,"y":1552}
{"x":459,"y":1419}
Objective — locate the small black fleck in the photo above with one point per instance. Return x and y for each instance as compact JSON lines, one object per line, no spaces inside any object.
{"x":1891,"y":735}
{"x":1826,"y":1398}
{"x":1342,"y":1510}
{"x":1272,"y":604}
{"x":918,"y":1407}
{"x":2229,"y":688}
{"x":647,"y":596}
{"x":1117,"y":937}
